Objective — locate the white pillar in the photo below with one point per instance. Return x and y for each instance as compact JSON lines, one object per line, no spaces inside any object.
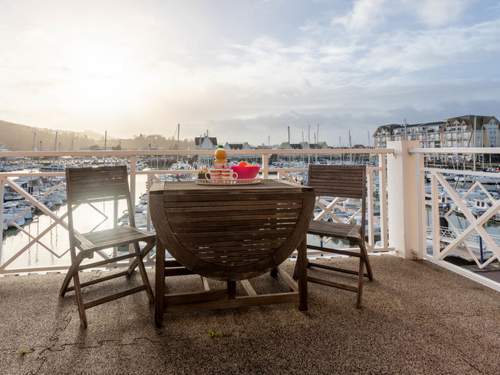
{"x":133,"y":170}
{"x":406,"y":195}
{"x":265,"y":166}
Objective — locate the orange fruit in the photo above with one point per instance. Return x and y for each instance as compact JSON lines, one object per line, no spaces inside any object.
{"x":220,"y":154}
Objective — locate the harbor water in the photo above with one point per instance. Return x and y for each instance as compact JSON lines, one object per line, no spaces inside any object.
{"x":53,"y":247}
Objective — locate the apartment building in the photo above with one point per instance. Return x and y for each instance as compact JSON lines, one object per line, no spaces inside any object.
{"x":462,"y":131}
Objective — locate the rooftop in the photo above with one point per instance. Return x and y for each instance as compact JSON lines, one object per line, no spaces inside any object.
{"x":417,"y":318}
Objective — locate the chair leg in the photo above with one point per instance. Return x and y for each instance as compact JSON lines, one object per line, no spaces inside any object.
{"x":159,"y":284}
{"x":363,"y":260}
{"x":302,"y":274}
{"x":364,"y":256}
{"x":360,"y":282}
{"x":149,"y":246}
{"x":231,"y":289}
{"x":69,"y":275}
{"x":143,"y":273}
{"x":296,"y":273}
{"x":274,"y":273}
{"x":79,"y":299}
{"x":73,"y":273}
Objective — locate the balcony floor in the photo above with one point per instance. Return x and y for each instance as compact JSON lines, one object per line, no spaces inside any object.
{"x":417,"y":318}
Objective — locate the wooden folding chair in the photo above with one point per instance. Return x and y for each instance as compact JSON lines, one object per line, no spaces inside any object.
{"x":87,"y":186}
{"x":340,"y":182}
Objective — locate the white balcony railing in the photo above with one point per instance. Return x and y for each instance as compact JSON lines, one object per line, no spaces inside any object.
{"x":41,"y":245}
{"x":461,"y":214}
{"x":404,"y":214}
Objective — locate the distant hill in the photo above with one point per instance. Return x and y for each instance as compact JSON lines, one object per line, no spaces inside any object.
{"x":21,"y":137}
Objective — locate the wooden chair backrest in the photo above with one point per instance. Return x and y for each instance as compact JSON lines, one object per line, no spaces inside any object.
{"x":343,"y":181}
{"x":232,"y":235}
{"x":90,"y":185}
{"x":97,"y":184}
{"x":338,"y":180}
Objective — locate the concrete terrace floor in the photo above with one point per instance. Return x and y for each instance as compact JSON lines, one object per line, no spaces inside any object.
{"x":417,"y":319}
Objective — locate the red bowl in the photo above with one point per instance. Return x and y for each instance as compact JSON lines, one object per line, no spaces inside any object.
{"x":247,"y":172}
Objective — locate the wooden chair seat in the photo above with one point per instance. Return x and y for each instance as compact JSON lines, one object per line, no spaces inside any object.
{"x":338,"y":230}
{"x":105,"y":239}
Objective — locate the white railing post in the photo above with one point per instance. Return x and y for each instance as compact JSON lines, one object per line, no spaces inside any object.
{"x":2,"y":189}
{"x":115,"y":222}
{"x":436,"y":224}
{"x":265,"y":165}
{"x":133,"y":171}
{"x":382,"y":162}
{"x":404,"y":184}
{"x":369,"y":203}
{"x":421,"y":213}
{"x":148,"y":212}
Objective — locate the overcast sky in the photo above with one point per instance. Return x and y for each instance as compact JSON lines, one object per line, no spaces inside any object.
{"x":247,"y":69}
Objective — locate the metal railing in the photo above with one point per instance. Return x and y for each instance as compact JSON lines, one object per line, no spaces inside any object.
{"x":377,"y":182}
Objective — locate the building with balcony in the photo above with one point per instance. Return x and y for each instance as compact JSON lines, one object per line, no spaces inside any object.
{"x":462,"y":131}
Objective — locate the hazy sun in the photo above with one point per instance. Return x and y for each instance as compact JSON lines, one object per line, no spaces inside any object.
{"x":103,"y":79}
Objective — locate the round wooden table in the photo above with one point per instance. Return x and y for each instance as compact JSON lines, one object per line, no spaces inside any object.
{"x":229,"y":233}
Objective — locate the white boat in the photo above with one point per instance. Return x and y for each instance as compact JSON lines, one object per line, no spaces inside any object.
{"x":53,"y":168}
{"x":141,"y":208}
{"x":17,"y":208}
{"x":480,"y":206}
{"x":57,"y":198}
{"x":13,"y":217}
{"x":180,"y":166}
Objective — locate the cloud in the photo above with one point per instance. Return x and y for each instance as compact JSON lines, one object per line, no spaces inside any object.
{"x":410,"y":51}
{"x":365,"y":15}
{"x":436,"y":13}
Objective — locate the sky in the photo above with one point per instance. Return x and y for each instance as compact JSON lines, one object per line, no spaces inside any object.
{"x":245,"y":70}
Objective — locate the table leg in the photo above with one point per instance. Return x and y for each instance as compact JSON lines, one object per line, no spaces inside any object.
{"x":231,"y":289}
{"x":274,"y":273}
{"x":302,"y":274}
{"x":159,"y":283}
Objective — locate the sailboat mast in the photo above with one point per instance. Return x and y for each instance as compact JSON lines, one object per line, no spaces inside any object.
{"x":178,"y":134}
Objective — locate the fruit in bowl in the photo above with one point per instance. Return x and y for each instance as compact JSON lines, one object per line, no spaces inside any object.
{"x":245,"y":170}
